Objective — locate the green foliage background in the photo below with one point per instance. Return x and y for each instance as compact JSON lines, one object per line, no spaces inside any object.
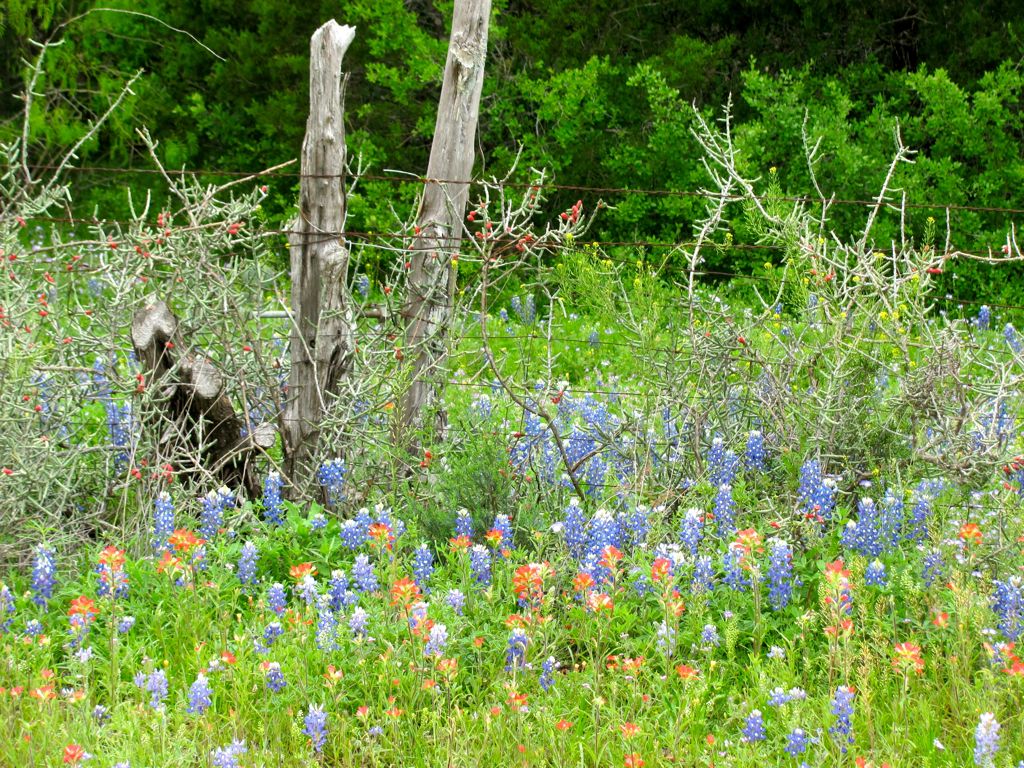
{"x":599,"y":94}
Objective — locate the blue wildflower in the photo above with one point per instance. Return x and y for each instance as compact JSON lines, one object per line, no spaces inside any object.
{"x":247,"y":564}
{"x":156,"y":686}
{"x":163,"y":522}
{"x":199,"y":694}
{"x":547,"y":674}
{"x":986,"y":740}
{"x":422,"y":566}
{"x":842,"y":708}
{"x":456,"y":600}
{"x":480,"y":564}
{"x":277,"y":600}
{"x":796,"y":742}
{"x":315,"y":727}
{"x":273,"y":505}
{"x":753,"y":728}
{"x":275,"y":678}
{"x":875,"y":575}
{"x":436,"y":641}
{"x":1008,"y":605}
{"x":780,"y":574}
{"x":515,"y":653}
{"x":363,"y":574}
{"x":44,"y":575}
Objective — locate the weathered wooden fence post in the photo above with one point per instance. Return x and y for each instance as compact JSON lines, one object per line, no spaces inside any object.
{"x":322,"y":335}
{"x":428,"y":305}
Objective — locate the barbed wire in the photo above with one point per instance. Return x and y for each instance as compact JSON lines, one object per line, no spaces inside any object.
{"x":582,"y":188}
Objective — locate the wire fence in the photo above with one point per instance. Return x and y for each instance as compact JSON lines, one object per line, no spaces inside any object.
{"x":538,"y":186}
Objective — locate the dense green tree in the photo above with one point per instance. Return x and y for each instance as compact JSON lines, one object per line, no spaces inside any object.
{"x":599,"y":95}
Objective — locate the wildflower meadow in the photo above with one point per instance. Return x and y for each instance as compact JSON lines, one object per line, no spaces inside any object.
{"x":646,"y":514}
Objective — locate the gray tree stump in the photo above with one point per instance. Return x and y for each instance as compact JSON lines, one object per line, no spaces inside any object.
{"x":199,"y":430}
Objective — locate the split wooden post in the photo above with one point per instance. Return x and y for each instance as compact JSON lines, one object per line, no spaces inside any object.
{"x":428,"y":305}
{"x":322,"y":335}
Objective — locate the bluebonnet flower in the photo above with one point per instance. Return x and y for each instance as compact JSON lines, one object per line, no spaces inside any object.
{"x":277,"y":600}
{"x":436,"y":641}
{"x":755,"y":456}
{"x":842,"y":708}
{"x":635,"y":525}
{"x":778,"y":697}
{"x":753,"y":728}
{"x":227,"y":757}
{"x":125,"y":624}
{"x":515,"y":653}
{"x":480,"y":564}
{"x":780,"y":574}
{"x":875,"y":575}
{"x":865,"y":534}
{"x":119,"y":417}
{"x":456,"y":600}
{"x":357,"y":623}
{"x":307,"y":589}
{"x":703,"y":575}
{"x":603,"y":531}
{"x":733,"y":563}
{"x":7,"y":609}
{"x":920,"y":515}
{"x":691,"y":529}
{"x":247,"y":564}
{"x":777,"y":652}
{"x":722,"y":464}
{"x":341,"y":596}
{"x":44,"y":575}
{"x":199,"y":694}
{"x":33,"y":627}
{"x":363,"y":284}
{"x":709,"y":636}
{"x":326,"y":625}
{"x":934,"y":568}
{"x":817,"y":494}
{"x":503,"y":526}
{"x":422,"y":566}
{"x":463,"y":523}
{"x":481,"y":407}
{"x":984,"y":318}
{"x":212,"y":516}
{"x":1008,"y":605}
{"x":275,"y":678}
{"x":315,"y":727}
{"x":574,"y":529}
{"x":331,"y":476}
{"x":986,"y":740}
{"x":796,"y":742}
{"x":273,"y":505}
{"x":353,"y":535}
{"x":318,"y":521}
{"x":525,"y":310}
{"x":363,"y":574}
{"x":101,"y":715}
{"x":156,"y":686}
{"x":724,"y":510}
{"x":163,"y":522}
{"x":1012,"y":339}
{"x":272,"y":631}
{"x":547,"y":673}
